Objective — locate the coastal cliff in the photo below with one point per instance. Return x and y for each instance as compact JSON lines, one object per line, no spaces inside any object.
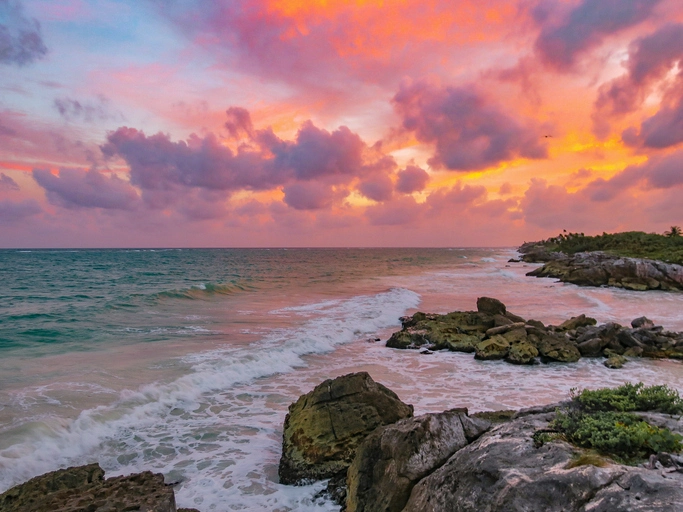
{"x":634,"y":261}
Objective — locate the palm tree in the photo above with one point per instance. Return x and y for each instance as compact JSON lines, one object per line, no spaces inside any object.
{"x":674,"y":231}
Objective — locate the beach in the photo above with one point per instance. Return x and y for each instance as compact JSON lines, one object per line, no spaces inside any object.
{"x":185,"y":361}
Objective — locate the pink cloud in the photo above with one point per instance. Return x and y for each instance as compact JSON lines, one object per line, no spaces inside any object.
{"x":411,"y":179}
{"x":469,"y":131}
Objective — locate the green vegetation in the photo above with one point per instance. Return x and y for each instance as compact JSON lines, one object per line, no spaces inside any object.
{"x":588,"y":459}
{"x":631,"y":397}
{"x":635,"y":244}
{"x":602,"y":420}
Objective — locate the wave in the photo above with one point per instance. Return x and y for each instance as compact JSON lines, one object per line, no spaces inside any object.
{"x":160,"y":425}
{"x":205,"y":290}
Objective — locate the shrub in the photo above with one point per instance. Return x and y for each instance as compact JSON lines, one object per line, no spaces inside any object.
{"x":630,"y":397}
{"x":621,"y":435}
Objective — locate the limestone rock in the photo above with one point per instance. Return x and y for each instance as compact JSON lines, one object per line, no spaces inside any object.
{"x":324,"y":427}
{"x":393,"y":458}
{"x":496,"y":347}
{"x":556,"y":348}
{"x":504,"y":471}
{"x":84,"y":488}
{"x":490,"y":306}
{"x":522,"y":353}
{"x":615,"y":361}
{"x":576,"y":321}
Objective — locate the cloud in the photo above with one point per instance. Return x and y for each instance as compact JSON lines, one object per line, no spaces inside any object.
{"x":566,"y":34}
{"x":402,"y":211}
{"x":74,"y":188}
{"x":411,"y":179}
{"x":310,"y":195}
{"x":459,"y":196}
{"x":469,"y":131}
{"x":20,"y":39}
{"x":11,"y":211}
{"x":88,"y":111}
{"x":7,"y":183}
{"x":651,"y":58}
{"x":239,"y":123}
{"x":377,"y":188}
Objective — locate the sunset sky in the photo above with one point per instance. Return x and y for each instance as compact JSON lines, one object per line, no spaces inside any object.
{"x":249,"y":123}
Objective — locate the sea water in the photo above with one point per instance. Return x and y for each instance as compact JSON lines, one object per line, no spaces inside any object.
{"x":185,"y":361}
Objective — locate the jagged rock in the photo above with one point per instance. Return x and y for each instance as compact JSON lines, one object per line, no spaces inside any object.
{"x":504,"y":471}
{"x":643,"y":322}
{"x":592,"y":347}
{"x":493,"y":348}
{"x":84,"y":489}
{"x":500,"y":320}
{"x":577,"y":321}
{"x":490,"y":306}
{"x":463,"y":343}
{"x":516,"y":335}
{"x":522,"y":353}
{"x":407,"y":339}
{"x":323,"y":428}
{"x":393,"y":458}
{"x":556,"y":348}
{"x":502,"y":329}
{"x":615,"y":361}
{"x":633,"y":352}
{"x":599,"y":268}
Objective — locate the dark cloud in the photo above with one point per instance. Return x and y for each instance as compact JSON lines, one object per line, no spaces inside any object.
{"x":377,"y":188}
{"x":566,"y":34}
{"x":310,"y":195}
{"x":7,"y":183}
{"x":88,"y":111}
{"x":11,"y":211}
{"x":651,"y":58}
{"x":239,"y":123}
{"x":411,"y":179}
{"x":665,"y":172}
{"x":662,"y":130}
{"x":469,"y":131}
{"x":20,"y":39}
{"x":74,"y":188}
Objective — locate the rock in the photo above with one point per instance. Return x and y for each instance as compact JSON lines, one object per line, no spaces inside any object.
{"x":83,"y":488}
{"x":643,"y":322}
{"x":501,"y":329}
{"x":522,"y":353}
{"x":576,"y":321}
{"x":599,"y":269}
{"x":633,"y":352}
{"x":496,"y":347}
{"x":514,"y":318}
{"x":516,"y":335}
{"x":556,"y":348}
{"x":490,"y":306}
{"x":536,"y":323}
{"x":592,"y":347}
{"x":463,"y":343}
{"x":395,"y":457}
{"x":615,"y":361}
{"x":324,"y":427}
{"x":499,"y":320}
{"x":504,"y":471}
{"x":407,"y":339}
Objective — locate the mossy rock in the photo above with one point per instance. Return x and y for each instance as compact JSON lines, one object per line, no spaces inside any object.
{"x":555,"y":348}
{"x":615,"y":361}
{"x":463,"y":343}
{"x":323,"y":428}
{"x":522,"y":353}
{"x":407,"y":339}
{"x":496,"y":347}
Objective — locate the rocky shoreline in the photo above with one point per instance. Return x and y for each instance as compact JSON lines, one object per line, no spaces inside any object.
{"x":597,"y":268}
{"x":492,"y":332}
{"x":494,"y":462}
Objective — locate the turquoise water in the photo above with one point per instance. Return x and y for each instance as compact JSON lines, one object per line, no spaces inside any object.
{"x":185,"y":361}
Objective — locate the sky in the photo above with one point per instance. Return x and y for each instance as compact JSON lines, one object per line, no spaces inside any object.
{"x":330,"y":123}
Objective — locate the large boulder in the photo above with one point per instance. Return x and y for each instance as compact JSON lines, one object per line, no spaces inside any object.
{"x":505,"y":470}
{"x":83,"y":488}
{"x":394,"y":458}
{"x":324,"y":428}
{"x":557,"y":348}
{"x":490,"y":306}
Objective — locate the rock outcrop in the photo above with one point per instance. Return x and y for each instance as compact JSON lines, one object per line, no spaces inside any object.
{"x":394,"y":458}
{"x":492,"y":332}
{"x":84,"y":488}
{"x":602,"y":269}
{"x":324,"y":428}
{"x":505,"y":470}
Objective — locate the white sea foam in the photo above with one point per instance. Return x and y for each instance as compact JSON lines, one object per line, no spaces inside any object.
{"x":212,"y":428}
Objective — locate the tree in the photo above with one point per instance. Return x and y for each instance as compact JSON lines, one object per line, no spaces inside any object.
{"x":674,"y":231}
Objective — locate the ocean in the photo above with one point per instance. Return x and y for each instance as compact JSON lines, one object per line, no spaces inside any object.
{"x":185,"y":361}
